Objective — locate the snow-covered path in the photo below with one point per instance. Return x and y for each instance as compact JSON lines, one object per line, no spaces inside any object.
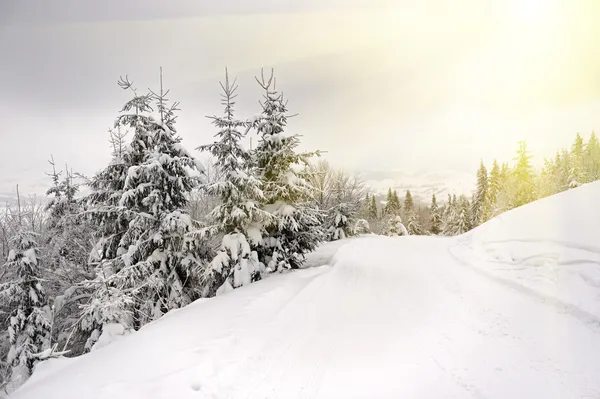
{"x":392,"y":318}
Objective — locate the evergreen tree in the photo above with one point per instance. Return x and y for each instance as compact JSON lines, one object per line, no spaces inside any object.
{"x":435,"y":220}
{"x":494,"y":188}
{"x":67,"y":245}
{"x":409,"y":205}
{"x":362,"y":227}
{"x":392,"y":206}
{"x":565,"y":171}
{"x":395,"y":227}
{"x":340,"y":225}
{"x":29,"y":328}
{"x":449,"y":219}
{"x":546,"y":179}
{"x":389,"y":203}
{"x":522,"y":182}
{"x":238,"y":217}
{"x":396,"y":203}
{"x":480,"y":207}
{"x":414,"y":225}
{"x":372,"y":212}
{"x":577,"y":171}
{"x":464,"y":217}
{"x":294,"y":230}
{"x":592,"y":158}
{"x":154,"y":265}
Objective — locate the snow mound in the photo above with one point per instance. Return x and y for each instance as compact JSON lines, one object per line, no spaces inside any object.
{"x":550,"y":246}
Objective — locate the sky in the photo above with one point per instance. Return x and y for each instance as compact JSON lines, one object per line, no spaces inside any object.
{"x":380,"y":85}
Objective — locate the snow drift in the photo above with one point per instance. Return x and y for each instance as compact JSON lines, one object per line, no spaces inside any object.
{"x":505,"y":311}
{"x":551,"y":246}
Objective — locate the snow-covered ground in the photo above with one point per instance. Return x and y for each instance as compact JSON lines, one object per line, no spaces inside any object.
{"x":509,"y":310}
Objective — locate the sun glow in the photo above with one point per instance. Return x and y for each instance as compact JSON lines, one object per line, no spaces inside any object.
{"x":535,"y":11}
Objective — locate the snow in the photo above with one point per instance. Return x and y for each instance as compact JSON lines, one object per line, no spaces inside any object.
{"x":110,"y":333}
{"x":500,"y":312}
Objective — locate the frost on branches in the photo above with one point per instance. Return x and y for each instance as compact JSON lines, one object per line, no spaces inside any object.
{"x":294,"y":229}
{"x":147,"y":261}
{"x":29,"y":328}
{"x":239,"y":216}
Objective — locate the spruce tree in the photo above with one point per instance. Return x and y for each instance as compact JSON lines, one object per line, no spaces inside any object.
{"x":435,"y":220}
{"x":414,"y":224}
{"x":373,"y":213}
{"x":362,"y":227}
{"x":447,"y":217}
{"x":577,"y":172}
{"x":546,"y":179}
{"x":238,"y":217}
{"x":480,"y":204}
{"x":522,"y":182}
{"x":67,"y":239}
{"x":389,"y":203}
{"x":340,"y":225}
{"x":294,"y":230}
{"x":30,"y":327}
{"x":154,"y":266}
{"x":392,"y":206}
{"x":494,"y":188}
{"x":396,"y":202}
{"x":395,"y":227}
{"x":409,"y":205}
{"x":463,"y":218}
{"x":564,"y":171}
{"x":592,"y":158}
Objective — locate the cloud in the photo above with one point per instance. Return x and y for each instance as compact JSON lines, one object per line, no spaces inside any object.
{"x":412,"y":85}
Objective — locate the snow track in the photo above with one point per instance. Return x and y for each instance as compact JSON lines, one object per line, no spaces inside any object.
{"x":391,"y":317}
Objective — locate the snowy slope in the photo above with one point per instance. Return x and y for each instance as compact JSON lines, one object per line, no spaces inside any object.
{"x":404,"y":317}
{"x":551,"y":246}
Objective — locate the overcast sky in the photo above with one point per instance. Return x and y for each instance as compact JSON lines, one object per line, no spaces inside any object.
{"x":380,"y":85}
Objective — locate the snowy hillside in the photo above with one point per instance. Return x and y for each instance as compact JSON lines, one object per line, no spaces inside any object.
{"x":551,"y":246}
{"x":509,"y":310}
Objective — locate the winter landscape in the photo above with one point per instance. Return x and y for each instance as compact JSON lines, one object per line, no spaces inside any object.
{"x":246,"y":250}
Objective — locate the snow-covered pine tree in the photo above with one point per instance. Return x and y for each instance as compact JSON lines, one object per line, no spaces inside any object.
{"x":395,"y":227}
{"x":464,"y":218}
{"x":409,"y":205}
{"x":592,"y":158}
{"x":362,"y":227}
{"x":389,"y":204}
{"x":480,"y":203}
{"x":546,"y":179}
{"x":577,"y":172}
{"x":494,"y":188}
{"x":373,"y":212}
{"x":435,"y":219}
{"x":340,"y":223}
{"x":396,"y":203}
{"x":239,"y":216}
{"x":30,"y":327}
{"x":563,"y":171}
{"x":295,"y":226}
{"x":154,"y":265}
{"x":109,"y":304}
{"x":67,"y":239}
{"x":450,"y":216}
{"x":414,"y":224}
{"x":522,"y":179}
